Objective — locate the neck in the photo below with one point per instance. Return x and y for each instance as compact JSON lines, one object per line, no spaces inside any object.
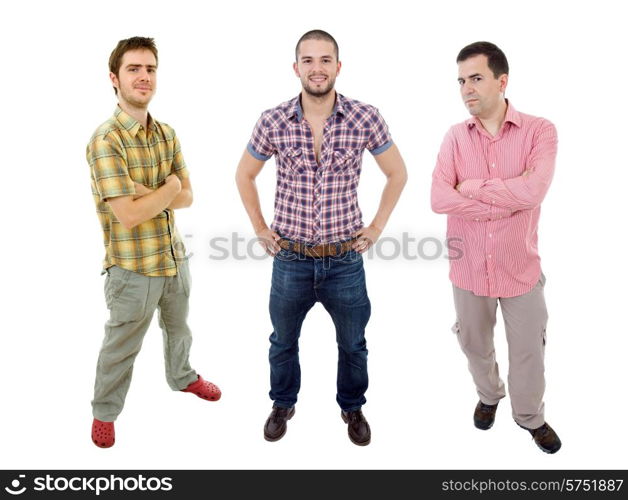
{"x":318,"y":106}
{"x":138,"y":113}
{"x":493,"y":122}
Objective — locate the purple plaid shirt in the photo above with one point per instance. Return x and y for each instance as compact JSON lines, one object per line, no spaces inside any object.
{"x":317,"y":202}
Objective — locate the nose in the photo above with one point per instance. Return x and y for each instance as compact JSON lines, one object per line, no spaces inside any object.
{"x":317,"y":67}
{"x":467,"y":88}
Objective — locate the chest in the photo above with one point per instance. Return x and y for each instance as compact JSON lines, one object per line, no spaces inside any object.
{"x":317,"y":128}
{"x":149,"y":159}
{"x":477,"y":156}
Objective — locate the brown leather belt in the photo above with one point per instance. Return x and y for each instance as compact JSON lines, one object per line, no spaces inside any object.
{"x":323,"y":250}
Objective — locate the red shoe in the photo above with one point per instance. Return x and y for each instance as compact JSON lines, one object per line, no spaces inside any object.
{"x":204,"y":389}
{"x":103,"y":434}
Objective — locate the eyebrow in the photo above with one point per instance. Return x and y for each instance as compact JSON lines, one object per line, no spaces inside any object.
{"x":140,"y":65}
{"x":470,"y":76}
{"x":312,"y":57}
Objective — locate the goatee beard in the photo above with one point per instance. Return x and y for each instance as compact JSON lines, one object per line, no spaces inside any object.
{"x":318,"y":93}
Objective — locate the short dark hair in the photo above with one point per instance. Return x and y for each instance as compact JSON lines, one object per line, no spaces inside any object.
{"x":316,"y":35}
{"x":497,"y":61}
{"x":133,"y":43}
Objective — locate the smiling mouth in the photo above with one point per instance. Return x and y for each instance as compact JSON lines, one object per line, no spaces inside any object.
{"x":318,"y":79}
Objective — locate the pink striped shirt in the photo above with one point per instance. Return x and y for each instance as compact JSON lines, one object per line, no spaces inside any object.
{"x":494,"y":217}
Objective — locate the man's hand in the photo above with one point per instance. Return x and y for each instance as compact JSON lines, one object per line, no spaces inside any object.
{"x":141,"y":190}
{"x":268,"y":239}
{"x":366,"y":238}
{"x":173,"y":178}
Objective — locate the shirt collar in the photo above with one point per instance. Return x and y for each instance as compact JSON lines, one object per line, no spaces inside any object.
{"x":130,"y":124}
{"x":297,"y":111}
{"x":512,"y":116}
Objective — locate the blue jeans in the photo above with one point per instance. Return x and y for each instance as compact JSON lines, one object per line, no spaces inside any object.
{"x":299,"y":282}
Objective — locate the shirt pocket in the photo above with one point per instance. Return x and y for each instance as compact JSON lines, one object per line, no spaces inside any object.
{"x":291,"y":161}
{"x":346,"y":163}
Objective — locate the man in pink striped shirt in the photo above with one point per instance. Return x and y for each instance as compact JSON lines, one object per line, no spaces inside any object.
{"x":491,"y":175}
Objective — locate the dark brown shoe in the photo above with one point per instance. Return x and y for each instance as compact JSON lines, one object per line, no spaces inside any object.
{"x":545,"y":438}
{"x":359,"y":430}
{"x":484,"y":416}
{"x":277,"y":423}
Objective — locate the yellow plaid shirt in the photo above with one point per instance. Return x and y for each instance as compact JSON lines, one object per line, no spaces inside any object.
{"x":120,"y":153}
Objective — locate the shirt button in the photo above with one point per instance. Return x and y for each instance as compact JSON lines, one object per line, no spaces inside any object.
{"x":490,"y":235}
{"x":493,"y":165}
{"x":476,"y":219}
{"x":489,"y":255}
{"x":493,"y":201}
{"x":470,"y":196}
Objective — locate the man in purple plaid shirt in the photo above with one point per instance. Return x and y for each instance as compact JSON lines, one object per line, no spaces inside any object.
{"x":317,"y":235}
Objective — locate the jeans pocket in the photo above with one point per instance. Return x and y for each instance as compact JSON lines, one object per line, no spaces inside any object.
{"x":348,"y":258}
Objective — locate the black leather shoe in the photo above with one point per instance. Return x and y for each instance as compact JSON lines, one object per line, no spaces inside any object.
{"x":484,"y":416}
{"x":277,"y":423}
{"x":545,"y":438}
{"x":359,"y":430}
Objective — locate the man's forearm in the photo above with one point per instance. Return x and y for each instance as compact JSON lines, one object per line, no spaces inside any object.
{"x":390,"y":197}
{"x":447,"y":200}
{"x":250,"y":200}
{"x":182,"y":200}
{"x":152,"y":204}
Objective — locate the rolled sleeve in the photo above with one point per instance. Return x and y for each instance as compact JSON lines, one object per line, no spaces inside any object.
{"x":379,"y":139}
{"x":259,"y":145}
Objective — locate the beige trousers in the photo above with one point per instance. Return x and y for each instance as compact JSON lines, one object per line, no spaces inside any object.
{"x":525,"y":320}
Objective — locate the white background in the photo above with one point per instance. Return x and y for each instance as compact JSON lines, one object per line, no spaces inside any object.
{"x":221,"y":65}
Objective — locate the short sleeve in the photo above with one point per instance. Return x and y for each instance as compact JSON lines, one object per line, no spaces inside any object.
{"x":380,"y":139}
{"x":109,"y":169}
{"x":178,"y":163}
{"x":259,"y":145}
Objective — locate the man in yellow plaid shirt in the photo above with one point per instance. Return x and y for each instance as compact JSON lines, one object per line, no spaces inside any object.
{"x":138,"y":179}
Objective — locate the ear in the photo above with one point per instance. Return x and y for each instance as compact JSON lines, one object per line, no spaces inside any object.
{"x":503,"y":83}
{"x":295,"y":67}
{"x":114,"y":80}
{"x":338,"y":68}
